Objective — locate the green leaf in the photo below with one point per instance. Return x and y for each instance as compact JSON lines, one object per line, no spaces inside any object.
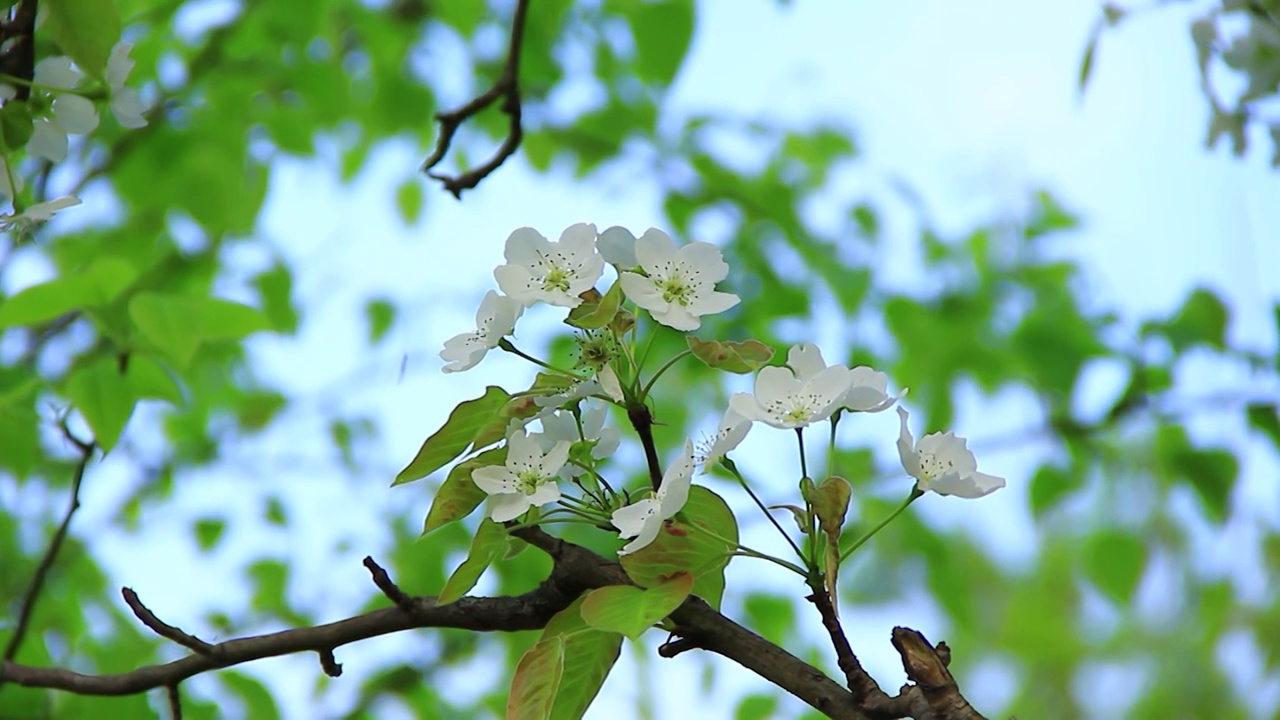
{"x":680,"y":548}
{"x":756,"y":707}
{"x":735,"y":357}
{"x":151,"y":381}
{"x":227,"y":320}
{"x":458,"y":496}
{"x":1265,"y":418}
{"x":1090,"y":50}
{"x":520,"y":407}
{"x":1114,"y":561}
{"x":258,"y":700}
{"x":662,"y":32}
{"x":831,"y":502}
{"x":99,"y":284}
{"x":598,"y":313}
{"x":16,"y":126}
{"x":1211,"y":473}
{"x":632,"y":610}
{"x":1201,"y":320}
{"x":172,"y":323}
{"x":489,"y":541}
{"x":209,"y":532}
{"x":589,"y":655}
{"x":380,"y":314}
{"x":104,"y":397}
{"x":409,"y":200}
{"x":537,"y":680}
{"x":464,"y":424}
{"x":275,"y":290}
{"x":1049,"y":485}
{"x":86,"y":30}
{"x":772,"y":616}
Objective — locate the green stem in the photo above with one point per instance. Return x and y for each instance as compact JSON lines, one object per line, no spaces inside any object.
{"x":733,"y":469}
{"x":915,"y":494}
{"x":665,"y":367}
{"x":8,"y":170}
{"x":745,"y":551}
{"x":507,"y":346}
{"x":804,"y":466}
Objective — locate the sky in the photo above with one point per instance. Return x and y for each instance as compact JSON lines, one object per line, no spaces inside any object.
{"x":972,"y":104}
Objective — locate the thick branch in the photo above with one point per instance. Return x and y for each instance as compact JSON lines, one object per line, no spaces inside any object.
{"x":506,"y":87}
{"x":525,"y":612}
{"x":708,"y":629}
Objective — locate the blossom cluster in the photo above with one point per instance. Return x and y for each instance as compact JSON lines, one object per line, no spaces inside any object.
{"x":676,"y":286}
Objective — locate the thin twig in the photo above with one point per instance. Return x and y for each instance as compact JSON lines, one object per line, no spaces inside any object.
{"x":164,"y":629}
{"x":55,"y":545}
{"x":175,"y":702}
{"x":865,"y":689}
{"x":507,"y":87}
{"x":329,"y":663}
{"x":386,"y":585}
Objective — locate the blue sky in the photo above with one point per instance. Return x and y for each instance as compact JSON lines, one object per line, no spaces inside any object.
{"x":973,"y":105}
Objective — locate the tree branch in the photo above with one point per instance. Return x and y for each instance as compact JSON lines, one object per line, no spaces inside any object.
{"x":926,"y":665}
{"x":507,"y":87}
{"x":51,"y":553}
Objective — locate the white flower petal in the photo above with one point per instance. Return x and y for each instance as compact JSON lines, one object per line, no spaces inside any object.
{"x":618,"y":246}
{"x":56,"y":72}
{"x":75,"y":114}
{"x":494,"y":480}
{"x":673,"y":493}
{"x":806,"y":360}
{"x":630,"y":520}
{"x":526,"y":246}
{"x":119,"y":65}
{"x":48,"y":140}
{"x":128,"y":107}
{"x":655,"y":251}
{"x":503,"y":508}
{"x":707,"y":259}
{"x":555,"y":458}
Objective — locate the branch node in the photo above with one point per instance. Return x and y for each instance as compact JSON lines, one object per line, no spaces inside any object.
{"x":507,"y":87}
{"x":387,"y":586}
{"x":676,"y":645}
{"x":164,"y":629}
{"x":329,"y":663}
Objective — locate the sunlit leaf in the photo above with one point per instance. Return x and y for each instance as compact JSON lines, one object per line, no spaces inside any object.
{"x":489,"y":541}
{"x":632,"y":610}
{"x":450,"y":441}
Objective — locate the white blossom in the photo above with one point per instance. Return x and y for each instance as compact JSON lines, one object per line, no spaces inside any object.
{"x":495,"y":319}
{"x":643,"y":519}
{"x":618,"y":246}
{"x":940,"y":462}
{"x":867,"y":387}
{"x":126,"y":103}
{"x":36,"y":214}
{"x":538,"y":270}
{"x":679,"y":283}
{"x":528,"y":479}
{"x":561,"y":425}
{"x":782,"y":399}
{"x":731,"y":432}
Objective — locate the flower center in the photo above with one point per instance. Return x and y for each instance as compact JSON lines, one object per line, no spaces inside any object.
{"x":557,"y":279}
{"x":676,"y":290}
{"x":528,"y":481}
{"x":796,"y":410}
{"x":933,"y":467}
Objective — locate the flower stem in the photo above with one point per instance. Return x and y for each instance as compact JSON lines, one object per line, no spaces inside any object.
{"x":733,"y":469}
{"x":745,"y":551}
{"x":804,"y":466}
{"x":915,"y":494}
{"x":665,"y":367}
{"x":507,"y":346}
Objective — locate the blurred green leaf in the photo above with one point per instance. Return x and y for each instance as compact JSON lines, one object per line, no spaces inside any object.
{"x":84,"y":29}
{"x":489,"y":541}
{"x":105,"y":398}
{"x":381,"y":315}
{"x":1114,"y":562}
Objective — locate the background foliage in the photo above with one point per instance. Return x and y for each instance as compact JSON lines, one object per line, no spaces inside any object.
{"x":1125,"y":497}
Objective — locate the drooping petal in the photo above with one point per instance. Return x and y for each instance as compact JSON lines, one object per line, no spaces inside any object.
{"x":971,"y":486}
{"x":128,"y":107}
{"x":907,"y":447}
{"x":75,"y":114}
{"x":503,"y":508}
{"x":673,"y":493}
{"x":462,"y":352}
{"x":676,"y":317}
{"x":610,"y":384}
{"x":56,"y":72}
{"x":48,"y":140}
{"x":630,"y":520}
{"x":119,"y":65}
{"x":43,"y":212}
{"x":733,"y":428}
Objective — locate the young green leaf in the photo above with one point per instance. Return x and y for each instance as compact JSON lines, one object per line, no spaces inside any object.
{"x":104,"y":397}
{"x":681,"y":548}
{"x":589,"y":655}
{"x":84,"y":29}
{"x":597,"y":314}
{"x":464,"y":424}
{"x":485,"y":547}
{"x":1114,"y":561}
{"x":631,"y":610}
{"x":537,"y":681}
{"x":735,"y":357}
{"x":458,"y":496}
{"x":172,"y":323}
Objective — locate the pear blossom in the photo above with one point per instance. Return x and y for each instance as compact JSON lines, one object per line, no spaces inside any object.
{"x":866,"y":391}
{"x":643,"y":519}
{"x":495,"y":319}
{"x":126,"y":103}
{"x":679,"y":283}
{"x":528,"y":479}
{"x":940,"y":462}
{"x":782,"y":399}
{"x":618,"y":247}
{"x":36,"y":214}
{"x":538,"y":270}
{"x":562,"y":425}
{"x":729,"y":435}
